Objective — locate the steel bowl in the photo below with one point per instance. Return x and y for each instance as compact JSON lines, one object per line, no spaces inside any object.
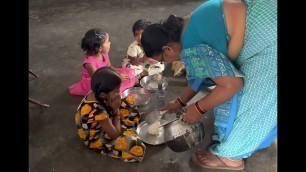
{"x":151,"y":83}
{"x":180,"y":137}
{"x":141,"y":95}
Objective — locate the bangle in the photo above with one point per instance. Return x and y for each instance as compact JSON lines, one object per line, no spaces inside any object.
{"x":180,"y":102}
{"x":199,"y":108}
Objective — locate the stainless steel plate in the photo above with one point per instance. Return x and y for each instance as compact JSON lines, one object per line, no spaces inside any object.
{"x":141,"y":95}
{"x":142,"y":131}
{"x":151,"y":84}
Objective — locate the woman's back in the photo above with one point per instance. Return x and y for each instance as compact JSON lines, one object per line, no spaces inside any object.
{"x":207,"y":26}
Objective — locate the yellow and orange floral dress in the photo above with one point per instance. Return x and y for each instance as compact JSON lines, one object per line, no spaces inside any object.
{"x":127,"y":147}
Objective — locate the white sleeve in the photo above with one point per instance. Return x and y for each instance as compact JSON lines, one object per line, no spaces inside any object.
{"x":132,"y":51}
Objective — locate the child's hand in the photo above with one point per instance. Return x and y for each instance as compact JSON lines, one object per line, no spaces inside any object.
{"x":115,"y":103}
{"x":124,"y":76}
{"x":144,"y":73}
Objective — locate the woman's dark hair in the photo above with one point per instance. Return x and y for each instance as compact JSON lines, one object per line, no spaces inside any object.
{"x":155,"y":36}
{"x":140,"y":24}
{"x":93,"y":40}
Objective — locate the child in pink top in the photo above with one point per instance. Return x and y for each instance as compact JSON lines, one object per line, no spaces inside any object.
{"x":96,"y":44}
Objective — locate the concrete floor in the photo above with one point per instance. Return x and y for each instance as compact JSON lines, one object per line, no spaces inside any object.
{"x":55,"y":30}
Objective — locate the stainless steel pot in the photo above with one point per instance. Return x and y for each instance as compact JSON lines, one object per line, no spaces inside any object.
{"x":180,"y":137}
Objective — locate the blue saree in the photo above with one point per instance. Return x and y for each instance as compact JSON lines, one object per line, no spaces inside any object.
{"x":248,"y":121}
{"x":203,"y":63}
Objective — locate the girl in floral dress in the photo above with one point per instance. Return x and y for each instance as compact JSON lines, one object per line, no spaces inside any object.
{"x":105,"y":123}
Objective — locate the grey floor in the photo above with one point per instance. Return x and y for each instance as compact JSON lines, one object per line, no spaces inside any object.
{"x":55,"y":30}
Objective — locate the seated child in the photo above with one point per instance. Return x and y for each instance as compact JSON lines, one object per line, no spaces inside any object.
{"x":96,"y":45}
{"x":136,"y":58}
{"x":105,"y":123}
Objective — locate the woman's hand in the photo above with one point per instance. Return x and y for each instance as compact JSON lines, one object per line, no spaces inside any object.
{"x":124,"y":76}
{"x":192,"y":115}
{"x":172,"y":107}
{"x":115,"y":103}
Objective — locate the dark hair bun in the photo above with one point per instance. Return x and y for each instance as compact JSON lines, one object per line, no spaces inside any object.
{"x":173,"y":25}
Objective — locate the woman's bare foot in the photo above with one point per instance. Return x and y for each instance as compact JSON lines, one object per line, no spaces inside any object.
{"x":210,"y":159}
{"x":200,"y":153}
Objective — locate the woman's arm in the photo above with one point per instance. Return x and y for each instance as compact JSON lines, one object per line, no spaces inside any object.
{"x":226,"y":87}
{"x":235,"y":12}
{"x":187,"y":94}
{"x":185,"y":97}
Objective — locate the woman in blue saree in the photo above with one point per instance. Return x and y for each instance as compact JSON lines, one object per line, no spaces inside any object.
{"x":217,"y":34}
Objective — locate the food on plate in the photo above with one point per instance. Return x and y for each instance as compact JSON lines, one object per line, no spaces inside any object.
{"x":154,"y":128}
{"x":153,"y":85}
{"x":157,"y":76}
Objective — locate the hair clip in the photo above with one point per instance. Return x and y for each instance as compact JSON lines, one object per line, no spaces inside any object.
{"x":98,"y":35}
